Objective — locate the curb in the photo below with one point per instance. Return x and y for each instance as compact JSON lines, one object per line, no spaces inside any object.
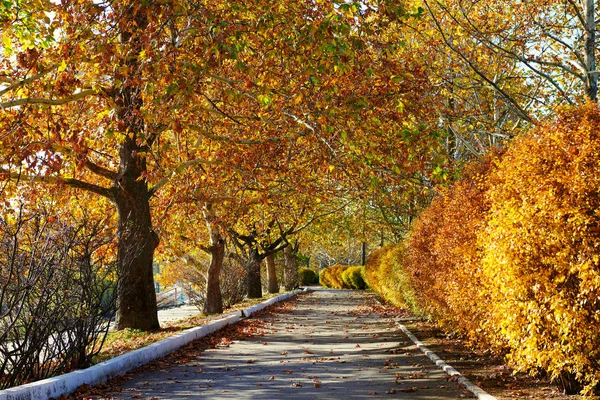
{"x":476,"y":390}
{"x":68,"y":383}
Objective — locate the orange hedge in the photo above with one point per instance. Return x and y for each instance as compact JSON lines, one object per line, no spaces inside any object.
{"x":542,"y":249}
{"x":510,"y":254}
{"x":442,"y":256}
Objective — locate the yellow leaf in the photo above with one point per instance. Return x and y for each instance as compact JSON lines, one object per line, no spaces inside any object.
{"x":62,"y":66}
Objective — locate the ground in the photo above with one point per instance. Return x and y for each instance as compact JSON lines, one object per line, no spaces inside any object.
{"x":326,"y":344}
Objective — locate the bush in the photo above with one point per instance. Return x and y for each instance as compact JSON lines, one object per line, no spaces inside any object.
{"x":308,"y":277}
{"x":508,"y":256}
{"x":442,"y":258}
{"x":57,"y":294}
{"x":541,"y":263}
{"x":353,"y":277}
{"x":386,"y":275}
{"x":343,"y":277}
{"x":331,"y":277}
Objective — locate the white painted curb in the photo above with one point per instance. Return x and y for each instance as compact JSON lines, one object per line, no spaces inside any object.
{"x":68,"y":383}
{"x":476,"y":390}
{"x":247,"y":312}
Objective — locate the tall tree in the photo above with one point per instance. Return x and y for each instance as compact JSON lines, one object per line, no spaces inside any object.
{"x":554,"y":42}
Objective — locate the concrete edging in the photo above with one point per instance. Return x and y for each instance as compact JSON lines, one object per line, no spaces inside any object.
{"x":68,"y":383}
{"x":476,"y":390}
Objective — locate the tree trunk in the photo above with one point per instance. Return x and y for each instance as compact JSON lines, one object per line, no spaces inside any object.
{"x":291,"y":270}
{"x":136,"y":298}
{"x":253,"y":271}
{"x":589,"y":56}
{"x":214,"y":300}
{"x":273,"y":285}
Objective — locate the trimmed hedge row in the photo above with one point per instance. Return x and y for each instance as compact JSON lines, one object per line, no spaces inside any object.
{"x":509,"y":256}
{"x":343,"y":277}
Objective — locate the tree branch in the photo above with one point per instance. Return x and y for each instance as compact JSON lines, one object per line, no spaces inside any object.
{"x":52,"y":102}
{"x":99,"y":170}
{"x":24,"y":82}
{"x":180,"y":167}
{"x":494,"y":85}
{"x":55,"y":180}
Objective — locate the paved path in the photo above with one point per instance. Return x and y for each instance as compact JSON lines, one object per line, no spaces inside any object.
{"x":177,"y":313}
{"x":329,"y":346}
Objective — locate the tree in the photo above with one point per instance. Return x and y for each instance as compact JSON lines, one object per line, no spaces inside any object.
{"x":126,"y":97}
{"x":554,"y":43}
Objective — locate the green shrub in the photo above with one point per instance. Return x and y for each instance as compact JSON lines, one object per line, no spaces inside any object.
{"x":308,"y":276}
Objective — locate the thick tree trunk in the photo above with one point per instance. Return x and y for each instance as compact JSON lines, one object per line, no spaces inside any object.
{"x":214,"y":300}
{"x":253,"y":272}
{"x":291,"y":278}
{"x":273,"y":285}
{"x":136,"y":298}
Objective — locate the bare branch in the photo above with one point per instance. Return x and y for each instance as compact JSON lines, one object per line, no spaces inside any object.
{"x":494,"y":85}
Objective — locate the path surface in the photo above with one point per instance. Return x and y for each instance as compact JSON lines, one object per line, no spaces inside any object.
{"x":329,"y":346}
{"x":173,"y":314}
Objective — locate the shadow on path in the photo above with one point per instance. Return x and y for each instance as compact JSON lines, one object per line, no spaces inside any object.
{"x":330,"y":345}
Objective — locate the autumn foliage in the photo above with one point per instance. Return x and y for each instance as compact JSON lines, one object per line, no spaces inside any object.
{"x":343,"y":277}
{"x":386,"y":275}
{"x":508,"y":256}
{"x":308,"y":276}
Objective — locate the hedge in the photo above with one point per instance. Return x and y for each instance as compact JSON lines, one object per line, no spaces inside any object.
{"x":509,"y":256}
{"x":343,"y":277}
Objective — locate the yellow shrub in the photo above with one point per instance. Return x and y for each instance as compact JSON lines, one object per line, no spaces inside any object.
{"x":386,"y":275}
{"x":353,"y":277}
{"x":331,"y":277}
{"x":542,"y":248}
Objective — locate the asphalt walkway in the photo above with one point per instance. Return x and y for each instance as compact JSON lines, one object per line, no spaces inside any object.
{"x":330,"y":345}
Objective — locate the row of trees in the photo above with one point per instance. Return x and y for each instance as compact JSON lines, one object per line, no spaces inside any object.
{"x":253,"y":120}
{"x":250,"y":119}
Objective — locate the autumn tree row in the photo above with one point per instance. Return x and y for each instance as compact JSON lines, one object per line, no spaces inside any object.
{"x":255,"y":119}
{"x":251,"y":119}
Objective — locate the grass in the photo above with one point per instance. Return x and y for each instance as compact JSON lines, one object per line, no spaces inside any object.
{"x":126,"y":340}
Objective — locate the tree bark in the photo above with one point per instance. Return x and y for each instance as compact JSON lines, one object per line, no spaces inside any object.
{"x":136,"y":298}
{"x":589,"y":56}
{"x":214,"y":300}
{"x":291,"y":279}
{"x":273,"y":285}
{"x":253,"y":272}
